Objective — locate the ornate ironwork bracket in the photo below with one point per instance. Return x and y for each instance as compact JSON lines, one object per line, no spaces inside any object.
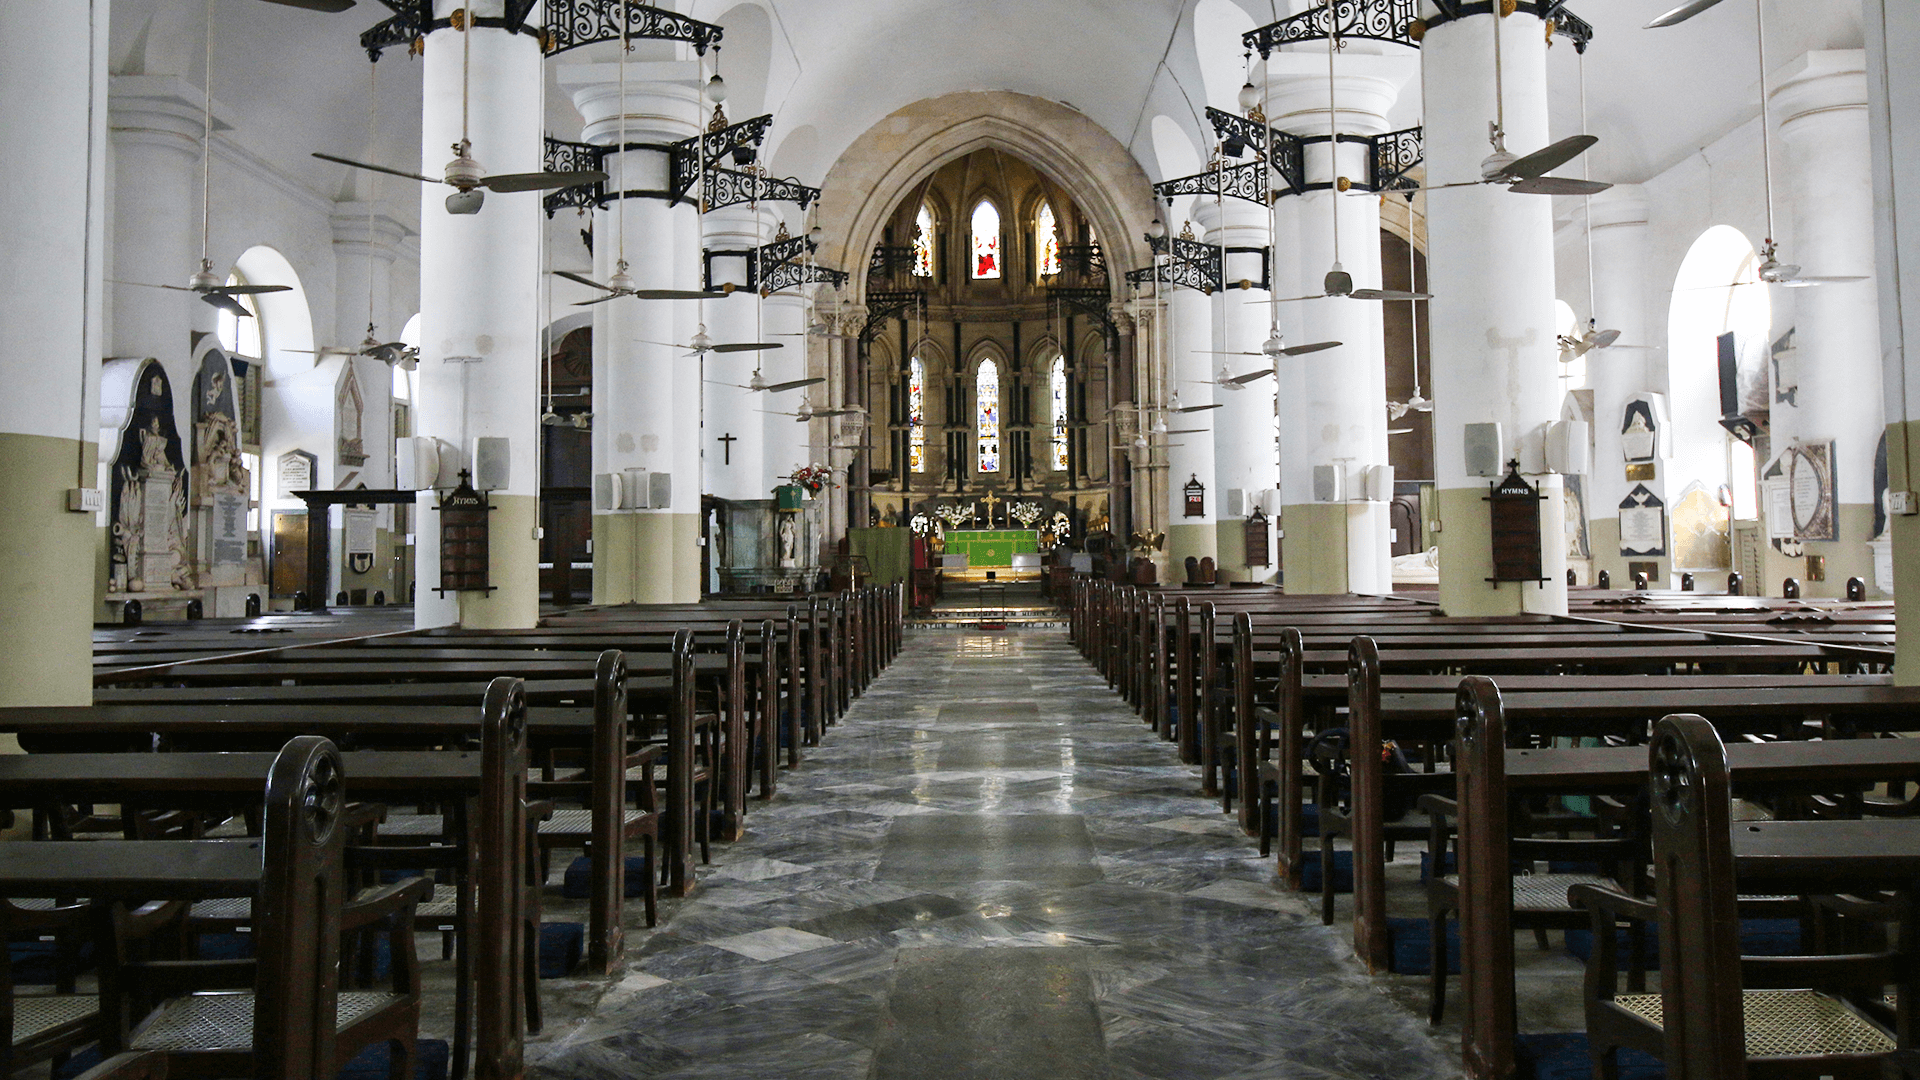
{"x":1248,"y":181}
{"x":1390,"y":156}
{"x":888,"y":304}
{"x":1086,"y":260}
{"x":1554,"y":13}
{"x":786,"y":275}
{"x":1265,"y":281}
{"x":888,"y":261}
{"x":1377,"y":20}
{"x":776,"y":266}
{"x":1236,"y":133}
{"x":570,"y":24}
{"x":1092,"y":303}
{"x":1189,"y":263}
{"x":731,"y":187}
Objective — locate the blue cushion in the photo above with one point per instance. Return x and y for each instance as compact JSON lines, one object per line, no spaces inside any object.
{"x":34,"y":963}
{"x":1413,"y":948}
{"x":1342,"y":871}
{"x":578,"y":882}
{"x":560,"y":944}
{"x":1758,"y":937}
{"x":1564,"y":1056}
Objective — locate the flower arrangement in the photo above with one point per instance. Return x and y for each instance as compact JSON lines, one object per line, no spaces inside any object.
{"x":1026,"y":513}
{"x":812,"y":477}
{"x":921,"y":524}
{"x":954,"y":514}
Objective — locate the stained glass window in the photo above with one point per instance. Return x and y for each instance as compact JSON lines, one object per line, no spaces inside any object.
{"x":987,"y":412}
{"x":923,"y":243}
{"x":1046,"y":236}
{"x":986,"y":241}
{"x":916,"y":415}
{"x":1057,"y":388}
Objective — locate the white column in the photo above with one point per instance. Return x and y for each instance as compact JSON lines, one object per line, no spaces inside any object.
{"x":1490,"y":257}
{"x":784,"y":446}
{"x":1245,"y":458}
{"x":156,"y":123}
{"x":645,"y":394}
{"x":1189,"y":336}
{"x":733,"y":468}
{"x":52,"y":211}
{"x":1618,"y":218}
{"x":479,"y":311}
{"x":1340,"y":413}
{"x":1893,"y":96}
{"x":1820,"y":103}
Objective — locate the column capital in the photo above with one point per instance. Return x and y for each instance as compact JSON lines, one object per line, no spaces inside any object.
{"x":1365,"y":88}
{"x":662,"y":100}
{"x":1621,"y":204}
{"x":1818,"y":81}
{"x":382,"y":234}
{"x":164,"y":110}
{"x":1122,"y":320}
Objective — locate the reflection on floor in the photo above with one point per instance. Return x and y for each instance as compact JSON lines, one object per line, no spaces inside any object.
{"x":990,"y":869}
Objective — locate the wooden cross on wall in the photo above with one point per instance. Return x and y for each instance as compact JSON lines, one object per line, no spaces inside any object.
{"x":727,"y":442}
{"x":992,"y":501}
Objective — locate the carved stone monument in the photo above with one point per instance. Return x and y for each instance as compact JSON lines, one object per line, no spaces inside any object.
{"x":148,"y":496}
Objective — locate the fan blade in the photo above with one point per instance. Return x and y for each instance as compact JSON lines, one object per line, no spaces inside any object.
{"x":1189,"y":431}
{"x":748,"y":346}
{"x":1605,"y":338}
{"x":600,"y":299}
{"x":794,"y":385}
{"x":1242,"y":380}
{"x":1804,"y":282}
{"x":378,"y":168}
{"x":329,"y":6}
{"x":1388,"y":294}
{"x":542,"y":181}
{"x":571,"y":276}
{"x":1201,"y":408}
{"x":1557,"y":185}
{"x":1221,"y":352}
{"x":146,"y":285}
{"x":1318,"y":346}
{"x":1680,"y":14}
{"x":1290,"y":299}
{"x":1399,"y":430}
{"x":669,"y":294}
{"x":250,"y":290}
{"x":225,"y":303}
{"x":1550,"y":157}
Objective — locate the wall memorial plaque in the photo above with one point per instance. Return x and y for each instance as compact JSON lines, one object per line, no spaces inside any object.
{"x":229,"y":529}
{"x":1196,"y":493}
{"x":1643,"y":523}
{"x":358,"y":539}
{"x":296,"y":471}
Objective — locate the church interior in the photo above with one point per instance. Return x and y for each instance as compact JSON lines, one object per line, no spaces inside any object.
{"x":1188,"y":539}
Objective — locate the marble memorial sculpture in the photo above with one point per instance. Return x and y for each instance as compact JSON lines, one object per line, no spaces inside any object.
{"x":147,"y":546}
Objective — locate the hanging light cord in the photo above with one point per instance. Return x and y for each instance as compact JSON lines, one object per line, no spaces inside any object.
{"x":373,"y":180}
{"x":1766,"y":135}
{"x":620,"y":147}
{"x":206,"y":141}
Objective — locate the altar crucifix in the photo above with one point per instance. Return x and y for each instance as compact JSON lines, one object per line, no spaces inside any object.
{"x":726,"y":445}
{"x":992,"y":501}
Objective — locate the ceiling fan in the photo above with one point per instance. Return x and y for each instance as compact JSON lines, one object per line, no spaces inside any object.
{"x":1225,"y":379}
{"x":328,"y":6}
{"x":1416,"y":403}
{"x":463,"y":173}
{"x":391,"y":353}
{"x":1275,"y":346}
{"x":582,"y":421}
{"x":1178,"y":408}
{"x":204,"y":281}
{"x":759,"y":382}
{"x":808,"y":412}
{"x":703,"y":343}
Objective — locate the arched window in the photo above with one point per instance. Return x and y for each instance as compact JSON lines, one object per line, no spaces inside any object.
{"x":916,"y":415}
{"x":1057,"y":389}
{"x":1716,"y":292}
{"x":986,"y":395}
{"x":240,"y":333}
{"x":1046,"y":241}
{"x":923,"y":242}
{"x":986,"y":241}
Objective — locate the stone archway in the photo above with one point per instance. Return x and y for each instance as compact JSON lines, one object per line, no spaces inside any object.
{"x":877,"y":170}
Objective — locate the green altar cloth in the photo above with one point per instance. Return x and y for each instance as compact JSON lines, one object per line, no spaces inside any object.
{"x":889,"y":553}
{"x":991,"y":547}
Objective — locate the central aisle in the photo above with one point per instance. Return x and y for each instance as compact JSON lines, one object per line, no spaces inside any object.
{"x":990,"y":869}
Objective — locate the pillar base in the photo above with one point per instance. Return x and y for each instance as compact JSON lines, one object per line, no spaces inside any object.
{"x":513,"y":567}
{"x":1466,"y":555}
{"x":1198,"y":540}
{"x":1336,"y":548}
{"x":646,"y":559}
{"x":47,"y":582}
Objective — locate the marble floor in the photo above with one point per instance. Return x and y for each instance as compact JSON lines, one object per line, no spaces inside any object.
{"x":990,"y":869}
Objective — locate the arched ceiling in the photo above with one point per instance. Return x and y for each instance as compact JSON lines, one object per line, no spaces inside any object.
{"x":293,"y":81}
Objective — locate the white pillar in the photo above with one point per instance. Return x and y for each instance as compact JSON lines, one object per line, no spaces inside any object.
{"x":645,"y":394}
{"x":733,"y":468}
{"x":1490,"y":257}
{"x":1245,"y":458}
{"x":784,"y":446}
{"x":1820,"y":103}
{"x":1618,"y":219}
{"x":1893,"y":95}
{"x":52,"y":210}
{"x":156,"y":124}
{"x":1188,"y":332}
{"x":479,"y":311}
{"x":1340,"y":413}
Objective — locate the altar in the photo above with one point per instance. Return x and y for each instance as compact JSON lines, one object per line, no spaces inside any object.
{"x":1000,"y":550}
